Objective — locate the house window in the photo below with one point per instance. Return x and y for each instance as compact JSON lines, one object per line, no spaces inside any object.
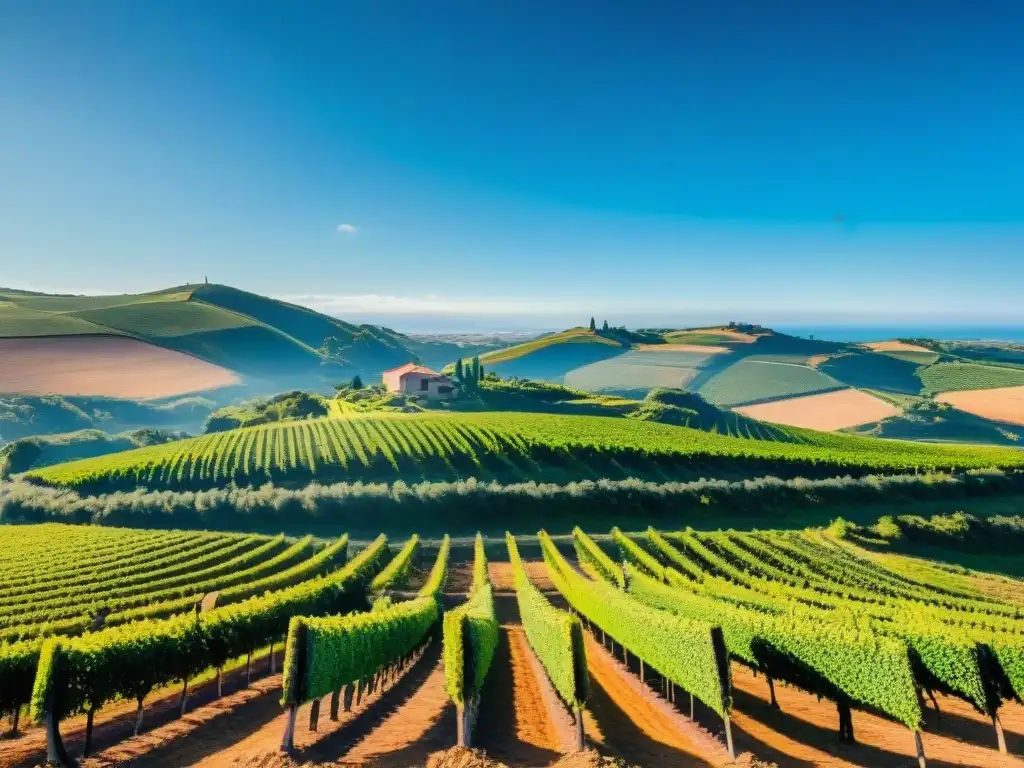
{"x":444,"y":390}
{"x":424,"y":385}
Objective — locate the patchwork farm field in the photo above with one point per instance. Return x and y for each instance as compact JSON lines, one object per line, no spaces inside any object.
{"x":1005,"y":404}
{"x":638,"y":371}
{"x":956,"y":377}
{"x":827,"y":412}
{"x":752,"y":381}
{"x":652,"y":648}
{"x":494,"y":445}
{"x":107,"y":366}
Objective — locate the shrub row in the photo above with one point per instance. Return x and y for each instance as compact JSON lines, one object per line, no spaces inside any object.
{"x":682,"y":650}
{"x":350,"y":505}
{"x":594,"y":559}
{"x":554,"y":635}
{"x":76,"y":674}
{"x":396,"y":574}
{"x":825,"y":658}
{"x":470,"y":634}
{"x":325,"y":654}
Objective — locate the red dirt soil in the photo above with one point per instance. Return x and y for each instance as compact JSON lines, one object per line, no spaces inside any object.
{"x":805,"y":732}
{"x":108,"y":366}
{"x":513,"y":724}
{"x":628,"y":723}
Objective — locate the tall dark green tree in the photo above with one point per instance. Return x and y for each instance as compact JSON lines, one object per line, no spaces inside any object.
{"x":475,"y":369}
{"x":605,"y":326}
{"x":593,"y":325}
{"x":459,"y":372}
{"x":357,"y":382}
{"x":481,"y":373}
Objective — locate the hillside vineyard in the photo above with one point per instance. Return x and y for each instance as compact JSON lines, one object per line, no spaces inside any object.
{"x":503,"y":445}
{"x":687,"y":612}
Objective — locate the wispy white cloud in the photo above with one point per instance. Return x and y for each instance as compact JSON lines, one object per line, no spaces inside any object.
{"x":347,"y":229}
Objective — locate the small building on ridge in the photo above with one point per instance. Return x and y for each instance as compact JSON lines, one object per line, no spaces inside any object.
{"x":413,"y":379}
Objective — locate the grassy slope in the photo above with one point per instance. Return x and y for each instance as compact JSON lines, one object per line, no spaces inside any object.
{"x":499,"y":446}
{"x":874,"y":370}
{"x":18,"y":321}
{"x":245,"y":332}
{"x":551,"y":357}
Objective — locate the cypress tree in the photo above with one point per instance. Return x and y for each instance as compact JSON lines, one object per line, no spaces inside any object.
{"x":593,"y":325}
{"x":459,"y":373}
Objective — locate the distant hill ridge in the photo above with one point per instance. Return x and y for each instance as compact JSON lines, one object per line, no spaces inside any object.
{"x":259,"y":337}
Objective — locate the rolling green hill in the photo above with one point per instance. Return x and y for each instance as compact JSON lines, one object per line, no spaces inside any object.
{"x":500,"y":446}
{"x":550,"y":357}
{"x":758,"y":381}
{"x":274,"y":344}
{"x":32,"y":452}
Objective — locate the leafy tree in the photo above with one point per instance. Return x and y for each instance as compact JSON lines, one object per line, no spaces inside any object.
{"x":593,"y":325}
{"x":357,"y":382}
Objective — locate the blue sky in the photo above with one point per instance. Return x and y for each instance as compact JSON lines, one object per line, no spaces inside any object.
{"x":523,"y":161}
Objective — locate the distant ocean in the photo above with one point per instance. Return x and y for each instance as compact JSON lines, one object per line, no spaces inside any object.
{"x":881,"y":332}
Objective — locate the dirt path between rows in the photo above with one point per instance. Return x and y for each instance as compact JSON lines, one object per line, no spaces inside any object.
{"x":115,"y":723}
{"x":805,"y":732}
{"x":513,"y":725}
{"x":628,"y":724}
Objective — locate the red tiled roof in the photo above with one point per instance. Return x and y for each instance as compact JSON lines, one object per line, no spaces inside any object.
{"x":412,"y":368}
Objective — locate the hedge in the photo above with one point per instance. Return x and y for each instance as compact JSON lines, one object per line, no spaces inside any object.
{"x":682,"y":650}
{"x":556,"y":636}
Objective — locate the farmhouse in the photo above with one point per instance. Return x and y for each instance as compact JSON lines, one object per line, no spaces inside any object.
{"x":413,"y":379}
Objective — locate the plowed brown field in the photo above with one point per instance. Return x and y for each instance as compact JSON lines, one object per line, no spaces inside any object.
{"x":107,"y":366}
{"x":1004,"y":404}
{"x":826,"y":412}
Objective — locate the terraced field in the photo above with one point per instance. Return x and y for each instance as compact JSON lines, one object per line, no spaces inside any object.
{"x":482,"y":445}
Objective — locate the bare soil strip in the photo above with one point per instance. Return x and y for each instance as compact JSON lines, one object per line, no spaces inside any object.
{"x":513,"y":724}
{"x":108,"y":366}
{"x":633,"y":725}
{"x":828,"y":411}
{"x":406,"y":726}
{"x":502,"y":579}
{"x":805,"y":732}
{"x":1005,"y":404}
